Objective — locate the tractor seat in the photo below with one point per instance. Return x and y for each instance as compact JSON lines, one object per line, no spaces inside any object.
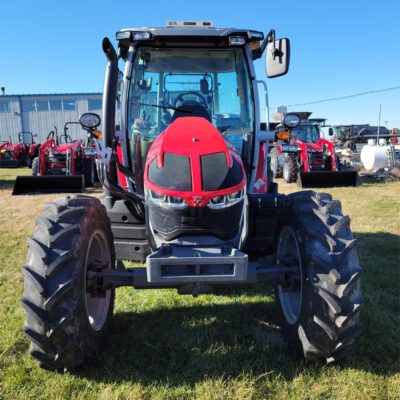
{"x":194,"y":110}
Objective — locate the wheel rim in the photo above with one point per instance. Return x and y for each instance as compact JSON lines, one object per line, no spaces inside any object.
{"x":97,"y":308}
{"x":290,"y":300}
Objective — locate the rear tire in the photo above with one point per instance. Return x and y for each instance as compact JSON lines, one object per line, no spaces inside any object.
{"x":35,"y":166}
{"x":290,"y":169}
{"x":320,"y":309}
{"x":64,"y":322}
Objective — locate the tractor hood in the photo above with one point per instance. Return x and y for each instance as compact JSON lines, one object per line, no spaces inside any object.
{"x":192,"y":161}
{"x":62,"y":148}
{"x":314,"y":147}
{"x":13,"y":147}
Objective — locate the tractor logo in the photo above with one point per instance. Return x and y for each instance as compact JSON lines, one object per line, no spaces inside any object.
{"x":197,"y":201}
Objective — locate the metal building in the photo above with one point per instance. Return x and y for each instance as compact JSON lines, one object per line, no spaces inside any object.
{"x":40,"y":113}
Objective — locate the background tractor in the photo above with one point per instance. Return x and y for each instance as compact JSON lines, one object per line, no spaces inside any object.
{"x":16,"y":155}
{"x":188,"y":189}
{"x":62,"y":165}
{"x":300,"y":155}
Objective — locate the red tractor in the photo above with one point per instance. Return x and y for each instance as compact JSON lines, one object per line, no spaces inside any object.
{"x":16,"y":155}
{"x":300,"y":155}
{"x":188,"y":189}
{"x":62,"y":165}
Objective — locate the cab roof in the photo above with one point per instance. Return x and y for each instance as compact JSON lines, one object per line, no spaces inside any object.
{"x":184,"y":36}
{"x":209,"y":31}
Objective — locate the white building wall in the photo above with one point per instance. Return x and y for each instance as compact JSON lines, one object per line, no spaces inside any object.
{"x":40,"y":123}
{"x":10,"y":122}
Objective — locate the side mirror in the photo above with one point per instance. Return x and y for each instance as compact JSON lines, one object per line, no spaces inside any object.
{"x":330,"y":132}
{"x":89,"y":121}
{"x":278,"y":58}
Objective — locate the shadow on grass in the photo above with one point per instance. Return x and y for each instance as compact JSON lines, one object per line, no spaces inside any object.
{"x":184,"y":345}
{"x":370,"y":179}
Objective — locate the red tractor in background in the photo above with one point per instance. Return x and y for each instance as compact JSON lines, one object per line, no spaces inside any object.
{"x":301,"y":155}
{"x":19,"y":154}
{"x":60,"y":155}
{"x":61,"y":165}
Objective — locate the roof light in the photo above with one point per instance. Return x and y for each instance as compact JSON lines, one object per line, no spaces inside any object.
{"x":141,"y":36}
{"x":123,"y":35}
{"x":190,"y":23}
{"x":237,"y":40}
{"x":255,"y":35}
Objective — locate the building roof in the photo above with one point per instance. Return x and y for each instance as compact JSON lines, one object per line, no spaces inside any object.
{"x":50,"y":94}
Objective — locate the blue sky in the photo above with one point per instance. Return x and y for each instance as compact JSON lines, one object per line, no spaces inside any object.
{"x":338,"y":47}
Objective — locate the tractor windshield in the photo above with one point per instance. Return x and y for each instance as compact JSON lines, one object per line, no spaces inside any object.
{"x":306,"y":133}
{"x":170,"y":83}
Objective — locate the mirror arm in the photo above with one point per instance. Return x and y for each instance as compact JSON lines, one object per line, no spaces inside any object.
{"x":270,"y":38}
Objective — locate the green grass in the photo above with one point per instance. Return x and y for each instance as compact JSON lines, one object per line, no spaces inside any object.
{"x":222,"y":346}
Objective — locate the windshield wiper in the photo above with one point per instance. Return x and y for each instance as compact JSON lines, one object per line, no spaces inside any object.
{"x":165,"y":107}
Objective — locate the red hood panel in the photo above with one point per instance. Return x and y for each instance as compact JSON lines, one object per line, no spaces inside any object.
{"x":189,"y":136}
{"x":314,"y":146}
{"x":192,"y":137}
{"x":67,"y":146}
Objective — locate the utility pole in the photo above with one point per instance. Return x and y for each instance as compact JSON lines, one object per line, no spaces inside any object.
{"x":379,"y":124}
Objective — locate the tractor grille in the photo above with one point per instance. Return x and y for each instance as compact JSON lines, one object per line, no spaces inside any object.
{"x":316,"y":161}
{"x":57,"y":158}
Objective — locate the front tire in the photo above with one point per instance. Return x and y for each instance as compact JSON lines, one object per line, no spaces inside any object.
{"x":35,"y":166}
{"x":320,"y":305}
{"x":89,"y":171}
{"x":290,"y":169}
{"x":66,"y":321}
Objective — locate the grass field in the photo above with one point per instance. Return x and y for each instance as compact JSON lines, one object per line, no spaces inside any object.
{"x":222,"y":346}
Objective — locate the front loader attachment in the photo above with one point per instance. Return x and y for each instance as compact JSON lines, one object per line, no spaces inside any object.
{"x":326,"y":179}
{"x":9,"y":163}
{"x":48,"y":184}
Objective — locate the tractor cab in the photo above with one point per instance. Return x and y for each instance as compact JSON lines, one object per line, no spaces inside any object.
{"x":172,"y":83}
{"x":306,"y":133}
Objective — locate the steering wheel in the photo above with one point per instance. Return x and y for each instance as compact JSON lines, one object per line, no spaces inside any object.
{"x":181,"y":98}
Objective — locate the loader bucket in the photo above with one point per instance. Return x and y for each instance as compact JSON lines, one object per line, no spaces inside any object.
{"x":48,"y":184}
{"x":9,"y":163}
{"x":326,"y":179}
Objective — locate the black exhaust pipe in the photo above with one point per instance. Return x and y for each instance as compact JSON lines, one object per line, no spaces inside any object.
{"x":109,"y":92}
{"x":109,"y":99}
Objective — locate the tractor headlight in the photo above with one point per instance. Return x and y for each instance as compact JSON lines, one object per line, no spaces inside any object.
{"x":227,"y":200}
{"x":172,"y":202}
